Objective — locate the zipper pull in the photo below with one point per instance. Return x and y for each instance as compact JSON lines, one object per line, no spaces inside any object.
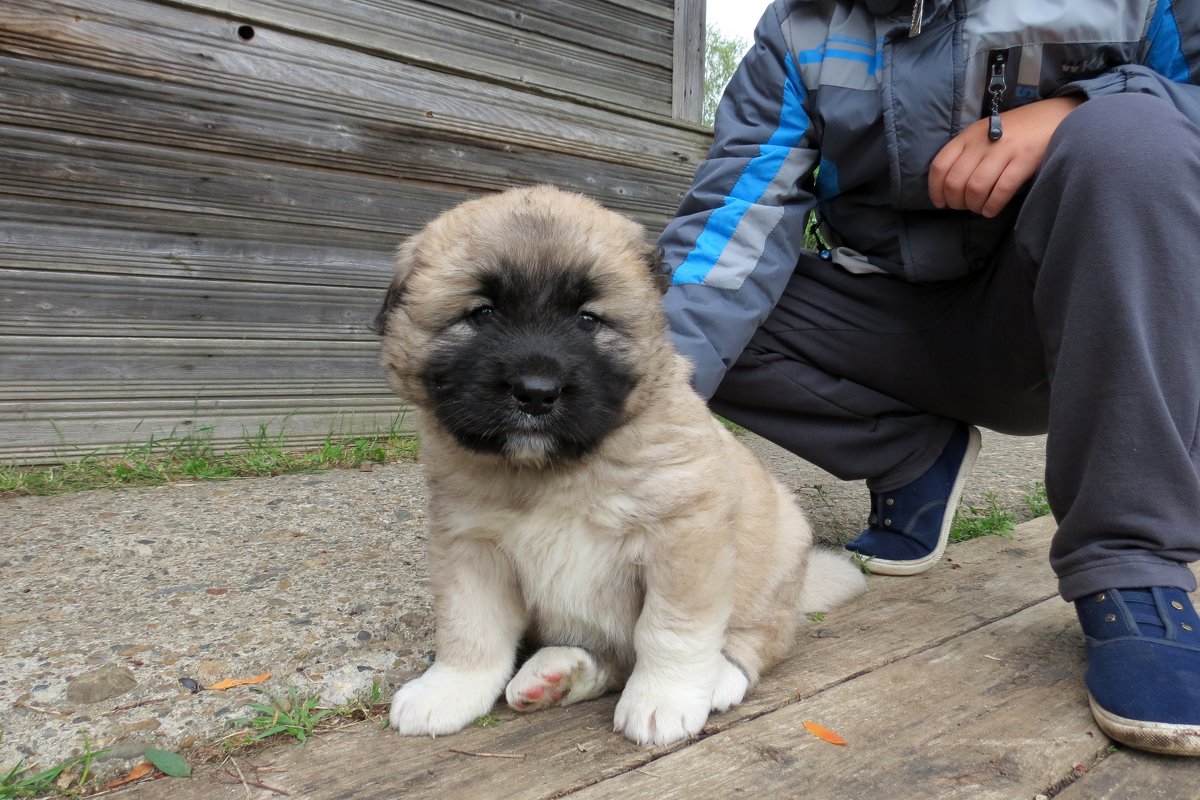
{"x":918,"y":12}
{"x":996,"y":88}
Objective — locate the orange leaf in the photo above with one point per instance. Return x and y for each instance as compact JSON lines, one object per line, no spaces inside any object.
{"x":140,"y":771}
{"x":229,"y":683}
{"x":821,"y":732}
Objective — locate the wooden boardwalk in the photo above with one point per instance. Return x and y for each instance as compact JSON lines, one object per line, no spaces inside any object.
{"x":965,"y":682}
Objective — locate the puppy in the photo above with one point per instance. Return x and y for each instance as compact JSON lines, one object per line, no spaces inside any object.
{"x":581,"y":495}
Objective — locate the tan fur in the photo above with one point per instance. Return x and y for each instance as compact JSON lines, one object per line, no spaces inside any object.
{"x":668,"y":559}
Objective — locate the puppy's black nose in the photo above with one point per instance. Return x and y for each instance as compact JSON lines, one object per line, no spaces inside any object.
{"x":536,"y":394}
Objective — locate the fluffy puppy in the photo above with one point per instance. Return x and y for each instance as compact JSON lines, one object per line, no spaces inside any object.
{"x":581,"y":495}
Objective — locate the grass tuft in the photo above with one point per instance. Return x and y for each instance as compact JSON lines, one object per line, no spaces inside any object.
{"x":368,"y":706}
{"x":992,"y":520}
{"x":19,"y":782}
{"x":1036,"y":500}
{"x":291,"y":717}
{"x":194,"y":457}
{"x":860,"y":561}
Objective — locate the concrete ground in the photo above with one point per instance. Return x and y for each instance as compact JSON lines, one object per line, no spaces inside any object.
{"x":114,"y":603}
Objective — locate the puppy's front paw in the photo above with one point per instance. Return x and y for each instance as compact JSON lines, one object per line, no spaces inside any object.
{"x":556,"y":675}
{"x":653,"y":712}
{"x":443,"y":700}
{"x":732,"y":686}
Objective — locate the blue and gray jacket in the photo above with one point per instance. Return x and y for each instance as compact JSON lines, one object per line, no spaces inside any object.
{"x":869,"y":92}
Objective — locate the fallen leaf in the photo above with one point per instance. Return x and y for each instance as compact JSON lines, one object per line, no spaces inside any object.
{"x":140,"y":771}
{"x":229,"y":683}
{"x":67,"y":777}
{"x":821,"y":732}
{"x":169,"y":763}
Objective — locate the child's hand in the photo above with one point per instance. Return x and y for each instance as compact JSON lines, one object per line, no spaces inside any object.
{"x":975,"y":173}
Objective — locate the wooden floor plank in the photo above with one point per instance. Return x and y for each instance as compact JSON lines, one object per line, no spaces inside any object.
{"x":565,"y":750}
{"x":1130,"y":775}
{"x":999,"y":712}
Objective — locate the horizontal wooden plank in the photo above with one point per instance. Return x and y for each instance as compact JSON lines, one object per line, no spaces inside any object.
{"x":640,"y":30}
{"x":1131,"y":774}
{"x":131,"y":250}
{"x":328,"y":398}
{"x":52,"y":433}
{"x":659,"y":8}
{"x":513,"y":44}
{"x":93,"y":393}
{"x":58,"y":304}
{"x":78,"y":359}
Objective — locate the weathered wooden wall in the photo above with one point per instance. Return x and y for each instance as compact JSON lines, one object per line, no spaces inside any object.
{"x":199,"y":199}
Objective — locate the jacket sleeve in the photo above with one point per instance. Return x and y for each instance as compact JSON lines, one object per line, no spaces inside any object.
{"x":737,"y":234}
{"x":1170,"y":67}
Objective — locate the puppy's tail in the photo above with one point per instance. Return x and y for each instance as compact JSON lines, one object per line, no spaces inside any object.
{"x":830,"y":580}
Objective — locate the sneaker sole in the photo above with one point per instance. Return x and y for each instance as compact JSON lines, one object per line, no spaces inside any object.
{"x":883,"y":566}
{"x":1157,"y":737}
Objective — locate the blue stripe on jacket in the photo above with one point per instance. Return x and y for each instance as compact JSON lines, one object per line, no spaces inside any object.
{"x":822,"y":53}
{"x":1166,"y":45}
{"x":754,"y":181}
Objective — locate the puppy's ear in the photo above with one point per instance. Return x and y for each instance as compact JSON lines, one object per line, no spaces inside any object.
{"x":405,"y":257}
{"x":653,"y":256}
{"x":393,"y":298}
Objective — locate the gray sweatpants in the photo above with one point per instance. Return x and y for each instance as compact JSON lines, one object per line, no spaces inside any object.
{"x":1086,"y":326}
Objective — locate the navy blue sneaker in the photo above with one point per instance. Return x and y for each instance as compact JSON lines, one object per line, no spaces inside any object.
{"x":908,"y":529}
{"x":1143,"y":676}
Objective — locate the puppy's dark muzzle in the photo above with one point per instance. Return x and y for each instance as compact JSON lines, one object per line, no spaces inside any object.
{"x":536,"y":394}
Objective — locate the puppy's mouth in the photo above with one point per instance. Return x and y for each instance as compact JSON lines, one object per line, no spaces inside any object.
{"x":529,"y":448}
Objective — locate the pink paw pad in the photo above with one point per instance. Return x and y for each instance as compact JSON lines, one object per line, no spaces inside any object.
{"x":552,"y":676}
{"x":540,"y":695}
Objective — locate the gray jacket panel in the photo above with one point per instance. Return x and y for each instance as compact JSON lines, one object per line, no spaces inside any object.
{"x":828,"y":84}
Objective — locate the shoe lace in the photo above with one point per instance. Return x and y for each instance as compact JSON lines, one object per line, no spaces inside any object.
{"x":1144,"y":610}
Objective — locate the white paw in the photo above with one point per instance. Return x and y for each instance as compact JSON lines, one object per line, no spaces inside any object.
{"x":556,"y":675}
{"x":731,"y":687}
{"x":443,"y":700}
{"x":652,"y":711}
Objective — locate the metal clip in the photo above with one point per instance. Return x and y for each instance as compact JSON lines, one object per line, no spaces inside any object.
{"x":996,"y":88}
{"x":918,"y":12}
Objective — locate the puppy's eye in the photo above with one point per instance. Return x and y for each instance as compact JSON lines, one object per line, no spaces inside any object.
{"x":481,"y":315}
{"x":587,"y":321}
